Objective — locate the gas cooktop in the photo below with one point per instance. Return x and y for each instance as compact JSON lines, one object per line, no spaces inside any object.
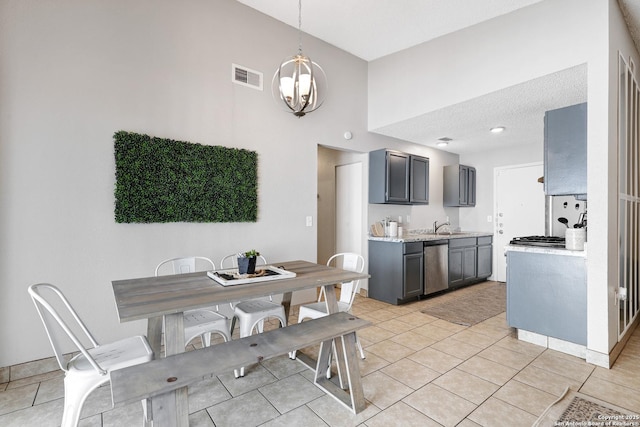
{"x":547,"y":241}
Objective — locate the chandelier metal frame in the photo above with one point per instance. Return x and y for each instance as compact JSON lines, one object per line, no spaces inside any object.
{"x":299,"y":83}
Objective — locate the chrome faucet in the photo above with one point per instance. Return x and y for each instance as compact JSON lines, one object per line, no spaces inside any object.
{"x":437,"y":227}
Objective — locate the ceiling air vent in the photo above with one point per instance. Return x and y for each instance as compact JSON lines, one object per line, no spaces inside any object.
{"x":246,"y":77}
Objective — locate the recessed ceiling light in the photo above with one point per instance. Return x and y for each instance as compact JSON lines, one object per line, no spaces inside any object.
{"x":497,"y":129}
{"x":443,"y":142}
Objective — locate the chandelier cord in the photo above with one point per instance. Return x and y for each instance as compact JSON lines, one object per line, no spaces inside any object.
{"x":299,"y":83}
{"x":300,"y":27}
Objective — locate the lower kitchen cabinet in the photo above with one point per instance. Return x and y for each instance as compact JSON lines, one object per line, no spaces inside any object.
{"x":485,"y":257}
{"x":462,"y":261}
{"x":470,"y":260}
{"x":547,"y":294}
{"x":462,"y":265}
{"x":412,"y":271}
{"x":397,"y":271}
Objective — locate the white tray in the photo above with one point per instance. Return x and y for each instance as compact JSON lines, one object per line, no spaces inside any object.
{"x":264,"y":273}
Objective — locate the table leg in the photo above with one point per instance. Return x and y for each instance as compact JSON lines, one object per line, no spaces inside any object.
{"x":332,"y":307}
{"x":286,"y":302}
{"x":331,"y":299}
{"x":172,"y":409}
{"x":353,"y":372}
{"x":354,"y":398}
{"x":154,"y":335}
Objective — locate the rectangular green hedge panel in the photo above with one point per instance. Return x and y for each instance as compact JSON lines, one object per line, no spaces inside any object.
{"x":161,"y":180}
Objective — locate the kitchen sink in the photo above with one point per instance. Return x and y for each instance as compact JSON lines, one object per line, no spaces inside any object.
{"x":454,"y":233}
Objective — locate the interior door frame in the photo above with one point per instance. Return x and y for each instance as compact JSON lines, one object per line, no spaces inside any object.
{"x":354,"y":202}
{"x":499,"y":250}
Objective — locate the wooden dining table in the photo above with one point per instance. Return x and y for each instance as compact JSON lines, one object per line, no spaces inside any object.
{"x":164,"y":299}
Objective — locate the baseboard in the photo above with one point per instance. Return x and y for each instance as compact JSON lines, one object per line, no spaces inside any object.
{"x":617,"y":349}
{"x":30,"y":369}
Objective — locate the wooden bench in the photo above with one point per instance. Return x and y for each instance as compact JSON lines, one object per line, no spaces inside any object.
{"x":159,"y":379}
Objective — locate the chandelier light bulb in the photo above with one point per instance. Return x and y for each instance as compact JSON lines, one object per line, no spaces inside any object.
{"x":286,"y":84}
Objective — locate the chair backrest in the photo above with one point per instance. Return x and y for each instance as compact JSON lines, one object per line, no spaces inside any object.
{"x":61,"y":321}
{"x":231,"y":261}
{"x":186,"y":265}
{"x":352,"y":262}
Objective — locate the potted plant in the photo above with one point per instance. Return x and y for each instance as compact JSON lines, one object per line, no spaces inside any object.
{"x":247,"y":262}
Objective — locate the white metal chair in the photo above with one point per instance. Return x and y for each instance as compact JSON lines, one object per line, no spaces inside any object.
{"x":348,"y":290}
{"x":91,"y":367}
{"x":252,"y":313}
{"x":201,"y":322}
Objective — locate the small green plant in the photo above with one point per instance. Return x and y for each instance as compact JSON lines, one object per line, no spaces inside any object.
{"x":251,"y":254}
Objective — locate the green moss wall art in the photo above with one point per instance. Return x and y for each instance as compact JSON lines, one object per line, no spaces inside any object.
{"x":161,"y":180}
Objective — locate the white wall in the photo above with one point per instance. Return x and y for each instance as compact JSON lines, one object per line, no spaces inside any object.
{"x":528,"y":43}
{"x":73,"y":72}
{"x":485,"y":164}
{"x":603,"y":174}
{"x":531,"y":42}
{"x":422,"y":216}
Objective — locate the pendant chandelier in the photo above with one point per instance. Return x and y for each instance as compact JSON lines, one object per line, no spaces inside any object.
{"x":299,"y":82}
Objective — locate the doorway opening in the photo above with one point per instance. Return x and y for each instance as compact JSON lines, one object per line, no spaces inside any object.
{"x":519,"y":209}
{"x":341,"y":202}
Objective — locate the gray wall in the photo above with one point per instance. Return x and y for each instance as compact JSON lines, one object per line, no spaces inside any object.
{"x":72,"y":72}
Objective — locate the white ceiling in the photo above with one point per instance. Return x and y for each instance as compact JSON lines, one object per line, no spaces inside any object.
{"x":370,"y":29}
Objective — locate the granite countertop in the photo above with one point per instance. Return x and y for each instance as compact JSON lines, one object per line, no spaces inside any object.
{"x":424,"y":236}
{"x":545,"y":250}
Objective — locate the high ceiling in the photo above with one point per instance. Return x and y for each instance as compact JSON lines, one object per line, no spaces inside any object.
{"x":370,"y":29}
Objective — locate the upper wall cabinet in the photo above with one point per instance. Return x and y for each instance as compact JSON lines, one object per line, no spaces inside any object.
{"x":398,"y":178}
{"x":565,"y":151}
{"x":459,"y":183}
{"x":419,"y":180}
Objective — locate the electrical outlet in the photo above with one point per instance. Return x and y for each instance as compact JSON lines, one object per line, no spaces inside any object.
{"x":408,"y":219}
{"x":309,"y":221}
{"x":399,"y":219}
{"x":622,"y":294}
{"x":489,"y":218}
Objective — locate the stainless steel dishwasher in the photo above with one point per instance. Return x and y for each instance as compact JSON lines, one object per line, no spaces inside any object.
{"x":436,"y":266}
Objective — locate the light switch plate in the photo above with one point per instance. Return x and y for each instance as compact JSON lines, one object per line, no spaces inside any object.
{"x":309,"y":221}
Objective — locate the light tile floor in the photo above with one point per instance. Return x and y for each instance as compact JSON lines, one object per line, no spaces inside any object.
{"x":419,"y":371}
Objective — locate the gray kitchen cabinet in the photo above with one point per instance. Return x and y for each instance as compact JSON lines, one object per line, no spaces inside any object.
{"x":396,"y":270}
{"x":547,"y":294}
{"x":398,"y":178}
{"x":413,"y":279}
{"x":419,"y":180}
{"x":565,"y":151}
{"x":470,"y":260}
{"x":485,"y":257}
{"x":462,"y":261}
{"x":459,"y":185}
